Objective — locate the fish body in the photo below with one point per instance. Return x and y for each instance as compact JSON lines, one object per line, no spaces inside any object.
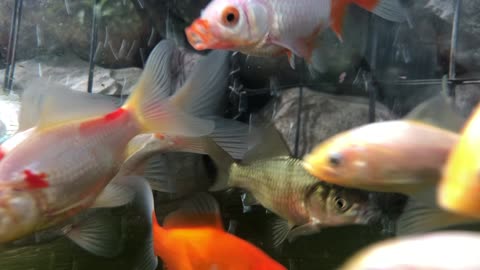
{"x":440,"y":250}
{"x":459,"y":188}
{"x":208,"y":248}
{"x":61,"y":165}
{"x":193,"y":240}
{"x":270,"y":27}
{"x":281,"y":184}
{"x":98,"y":152}
{"x":121,"y":238}
{"x":401,"y":156}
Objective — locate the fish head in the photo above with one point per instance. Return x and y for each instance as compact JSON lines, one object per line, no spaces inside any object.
{"x":19,"y":214}
{"x":341,"y":161}
{"x":333,"y":205}
{"x":229,"y":25}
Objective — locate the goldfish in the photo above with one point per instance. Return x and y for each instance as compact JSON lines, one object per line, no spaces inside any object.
{"x":193,"y":238}
{"x":125,"y":230}
{"x":439,"y":250}
{"x":77,"y":144}
{"x":393,"y":156}
{"x":276,"y":27}
{"x":279,"y":183}
{"x":403,"y":156}
{"x":459,"y":186}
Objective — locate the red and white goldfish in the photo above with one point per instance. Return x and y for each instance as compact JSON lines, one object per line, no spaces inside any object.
{"x":60,"y":166}
{"x":193,"y":238}
{"x":459,"y":188}
{"x":276,"y":27}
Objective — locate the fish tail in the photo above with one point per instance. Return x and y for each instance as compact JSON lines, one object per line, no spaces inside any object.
{"x":224,"y":162}
{"x":390,"y":10}
{"x":156,"y":111}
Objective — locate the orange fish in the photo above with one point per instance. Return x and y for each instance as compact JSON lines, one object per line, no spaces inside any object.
{"x":276,"y":27}
{"x":193,"y":238}
{"x":459,"y":189}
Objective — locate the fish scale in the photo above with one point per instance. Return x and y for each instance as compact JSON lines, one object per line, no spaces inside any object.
{"x":282,"y":174}
{"x":288,"y":13}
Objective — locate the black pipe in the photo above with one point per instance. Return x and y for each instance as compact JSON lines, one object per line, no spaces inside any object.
{"x":93,"y":44}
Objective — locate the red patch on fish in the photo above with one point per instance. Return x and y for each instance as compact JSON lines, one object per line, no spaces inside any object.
{"x":35,"y":180}
{"x":114,"y":115}
{"x":91,"y":124}
{"x":2,"y":154}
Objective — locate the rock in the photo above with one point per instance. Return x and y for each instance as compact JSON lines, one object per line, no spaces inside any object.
{"x":322,"y":116}
{"x":467,"y":98}
{"x":439,"y":14}
{"x":70,"y":70}
{"x":9,"y":108}
{"x":55,"y":26}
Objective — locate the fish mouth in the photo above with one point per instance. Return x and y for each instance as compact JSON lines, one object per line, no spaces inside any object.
{"x":199,"y":35}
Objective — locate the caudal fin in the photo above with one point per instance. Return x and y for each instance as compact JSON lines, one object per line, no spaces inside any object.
{"x":390,"y":10}
{"x":150,"y":99}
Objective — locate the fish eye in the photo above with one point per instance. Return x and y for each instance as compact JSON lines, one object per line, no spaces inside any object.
{"x":335,"y":159}
{"x":341,"y":204}
{"x":230,"y":16}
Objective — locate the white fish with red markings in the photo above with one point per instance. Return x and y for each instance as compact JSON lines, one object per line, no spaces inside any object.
{"x":277,"y":27}
{"x":70,"y":146}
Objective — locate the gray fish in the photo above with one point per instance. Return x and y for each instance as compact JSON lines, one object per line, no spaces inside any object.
{"x":279,"y":183}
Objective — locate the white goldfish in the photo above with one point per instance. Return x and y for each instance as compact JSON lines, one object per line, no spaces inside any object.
{"x":276,"y":27}
{"x":60,"y":166}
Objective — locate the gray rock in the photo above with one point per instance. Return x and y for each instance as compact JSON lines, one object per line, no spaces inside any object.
{"x":9,"y":108}
{"x":467,"y":98}
{"x":322,"y":116}
{"x":65,"y":25}
{"x":70,"y":70}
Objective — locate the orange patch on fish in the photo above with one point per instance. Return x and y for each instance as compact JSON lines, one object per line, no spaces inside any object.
{"x":35,"y":180}
{"x":339,"y":8}
{"x":199,"y":35}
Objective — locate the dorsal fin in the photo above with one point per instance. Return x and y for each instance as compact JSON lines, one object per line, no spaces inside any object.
{"x":45,"y":103}
{"x":267,"y":143}
{"x":438,"y":111}
{"x":200,"y":211}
